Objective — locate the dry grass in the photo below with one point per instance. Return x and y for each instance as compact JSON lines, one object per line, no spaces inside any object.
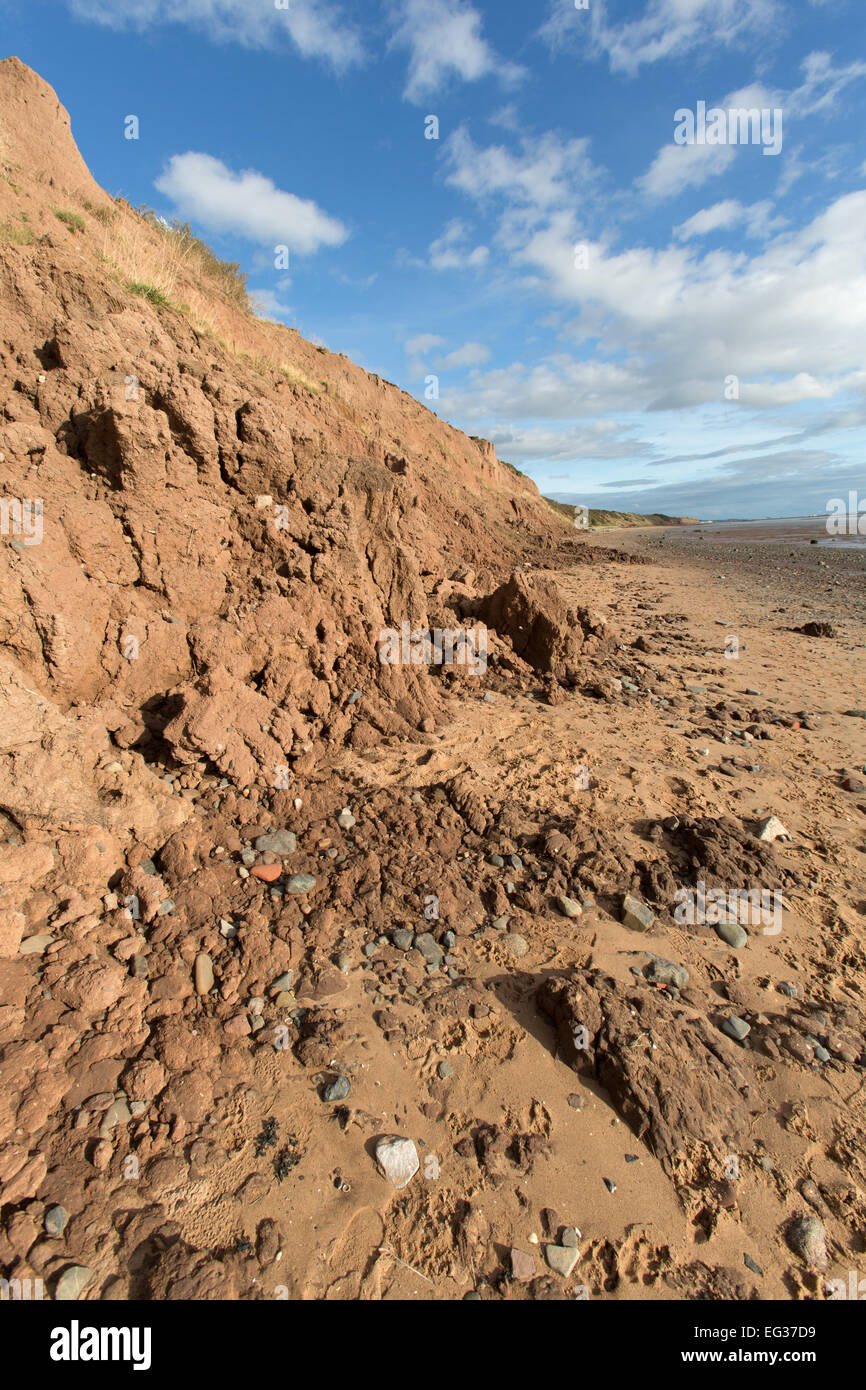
{"x":14,"y":235}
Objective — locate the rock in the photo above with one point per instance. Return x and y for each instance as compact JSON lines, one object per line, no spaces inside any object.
{"x":283,"y":982}
{"x":403,"y":939}
{"x":335,"y":1090}
{"x":732,"y":933}
{"x":522,"y":1266}
{"x":497,"y":861}
{"x":550,"y":1221}
{"x":561,"y":1258}
{"x":267,"y":873}
{"x":575,"y":1101}
{"x":55,"y":1220}
{"x":429,"y":947}
{"x":570,"y":1237}
{"x":345,"y":819}
{"x":300,"y":883}
{"x":238,"y":1027}
{"x":809,"y":1189}
{"x":36,"y":945}
{"x":117,"y":1113}
{"x":636,"y":914}
{"x":102,"y":1155}
{"x":808,"y":1239}
{"x":568,"y":907}
{"x":445,"y":1070}
{"x":204,"y":979}
{"x":516,"y":944}
{"x":750,"y":1264}
{"x":72,"y":1283}
{"x":736,"y":1028}
{"x":666,"y":972}
{"x":771,"y":829}
{"x":280,"y":842}
{"x":397,"y":1158}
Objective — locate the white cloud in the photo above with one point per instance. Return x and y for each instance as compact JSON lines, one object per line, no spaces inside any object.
{"x":677,"y":167}
{"x":422,"y":343}
{"x":757,"y":219}
{"x":600,"y":439}
{"x":316,"y":28}
{"x":267,"y":304}
{"x":545,"y":173}
{"x":666,"y":29}
{"x":248,"y":204}
{"x":444,"y":40}
{"x":451,"y":251}
{"x":469,"y":355}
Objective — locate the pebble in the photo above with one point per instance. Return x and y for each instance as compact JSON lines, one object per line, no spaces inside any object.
{"x":335,"y":1090}
{"x":284,"y":981}
{"x":570,"y":1237}
{"x":732,"y":933}
{"x":517,"y":944}
{"x":562,"y":1258}
{"x":118,"y":1113}
{"x":790,"y":991}
{"x":501,"y":923}
{"x":267,"y":873}
{"x":666,"y":972}
{"x":497,"y":861}
{"x":403,"y":939}
{"x":736,"y":1028}
{"x":445,"y":1070}
{"x":55,"y":1220}
{"x":300,"y":883}
{"x":575,"y":1101}
{"x":522,"y":1266}
{"x":636,"y":914}
{"x":277,"y":842}
{"x":204,"y":979}
{"x":397,"y":1158}
{"x":429,"y":947}
{"x":808,"y":1239}
{"x":72,"y":1283}
{"x":771,"y":828}
{"x":345,"y":819}
{"x":750,"y":1264}
{"x":568,"y":907}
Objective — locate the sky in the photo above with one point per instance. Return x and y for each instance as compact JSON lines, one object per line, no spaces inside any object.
{"x":623,"y":239}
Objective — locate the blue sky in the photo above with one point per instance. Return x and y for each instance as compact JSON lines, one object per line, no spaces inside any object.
{"x":638,"y":315}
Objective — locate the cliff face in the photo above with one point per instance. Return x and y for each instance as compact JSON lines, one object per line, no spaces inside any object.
{"x":229,"y":516}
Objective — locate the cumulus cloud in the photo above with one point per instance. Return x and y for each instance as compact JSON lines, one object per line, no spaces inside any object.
{"x":543,"y":173}
{"x":453,"y":251}
{"x":315,"y":28}
{"x":666,"y":29}
{"x":206,"y":192}
{"x":469,"y":355}
{"x":445,"y":40}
